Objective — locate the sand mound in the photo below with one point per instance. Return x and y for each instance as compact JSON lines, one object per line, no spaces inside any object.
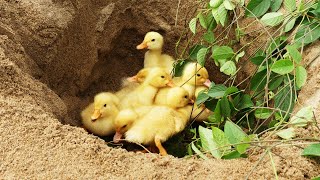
{"x":54,"y":55}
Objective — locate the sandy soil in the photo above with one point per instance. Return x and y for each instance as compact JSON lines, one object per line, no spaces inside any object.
{"x":56,"y":54}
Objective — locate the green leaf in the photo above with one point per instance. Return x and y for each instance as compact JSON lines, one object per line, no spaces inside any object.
{"x":289,"y":25}
{"x":232,"y":155}
{"x":198,"y":152}
{"x":217,"y":91}
{"x":220,"y":14}
{"x":228,"y":5}
{"x":207,"y":142}
{"x":301,"y":76}
{"x":294,"y":53}
{"x":258,"y":81}
{"x":201,"y":56}
{"x":230,"y":90}
{"x":316,"y":178}
{"x":221,"y":140}
{"x":202,"y":97}
{"x":238,"y":56}
{"x":306,"y":34}
{"x":272,"y":19}
{"x":275,"y":83}
{"x":225,"y":107}
{"x":290,"y":5}
{"x":286,"y":133}
{"x":194,"y":51}
{"x":242,"y":148}
{"x":178,"y":67}
{"x":202,"y":20}
{"x":215,"y":3}
{"x":233,"y":132}
{"x":222,"y":52}
{"x":275,"y":5}
{"x":282,"y":67}
{"x":284,"y":100}
{"x":209,"y":37}
{"x":229,"y":68}
{"x":257,"y":60}
{"x":312,"y":150}
{"x":193,"y":25}
{"x":217,"y":112}
{"x":244,"y":102}
{"x":262,"y":113}
{"x":257,"y":8}
{"x":211,"y":22}
{"x":302,"y":117}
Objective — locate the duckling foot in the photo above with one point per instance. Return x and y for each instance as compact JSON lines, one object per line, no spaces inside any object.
{"x":162,"y":150}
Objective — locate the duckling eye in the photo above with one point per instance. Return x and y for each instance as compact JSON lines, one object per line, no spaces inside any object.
{"x":198,"y":75}
{"x":162,"y":76}
{"x":105,"y":105}
{"x":152,"y":40}
{"x":186,"y":96}
{"x":124,"y":126}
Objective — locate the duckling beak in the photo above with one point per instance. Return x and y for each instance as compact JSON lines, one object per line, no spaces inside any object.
{"x":96,"y":114}
{"x":191,"y":101}
{"x":207,"y":83}
{"x":170,"y":84}
{"x":143,"y":45}
{"x":117,"y":136}
{"x":132,"y":79}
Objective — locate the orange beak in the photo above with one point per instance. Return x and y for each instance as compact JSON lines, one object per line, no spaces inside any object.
{"x":170,"y":84}
{"x":96,"y":114}
{"x":117,"y":137}
{"x":132,"y":79}
{"x":191,"y":101}
{"x":143,"y":45}
{"x":207,"y":83}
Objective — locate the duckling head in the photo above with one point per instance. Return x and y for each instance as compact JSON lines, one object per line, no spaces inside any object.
{"x":195,"y":74}
{"x":152,"y":41}
{"x":105,"y":104}
{"x":178,"y":97}
{"x":123,"y":123}
{"x":158,"y":77}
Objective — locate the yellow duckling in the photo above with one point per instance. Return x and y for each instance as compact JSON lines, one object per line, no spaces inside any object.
{"x":153,"y":41}
{"x":153,"y":125}
{"x":98,"y":117}
{"x":145,"y":93}
{"x":200,"y":113}
{"x":193,"y":75}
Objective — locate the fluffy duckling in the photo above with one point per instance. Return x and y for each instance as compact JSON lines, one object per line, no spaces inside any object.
{"x":144,"y":94}
{"x":193,"y":75}
{"x":156,"y":124}
{"x":98,"y":117}
{"x":200,"y":113}
{"x":153,"y":41}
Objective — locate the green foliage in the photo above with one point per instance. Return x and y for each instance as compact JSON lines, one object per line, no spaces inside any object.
{"x":283,"y":66}
{"x":269,"y":99}
{"x":257,"y":8}
{"x":302,"y":117}
{"x":312,"y":150}
{"x":275,"y":5}
{"x":272,"y":19}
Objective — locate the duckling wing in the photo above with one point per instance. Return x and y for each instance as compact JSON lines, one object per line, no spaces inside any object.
{"x":158,"y":122}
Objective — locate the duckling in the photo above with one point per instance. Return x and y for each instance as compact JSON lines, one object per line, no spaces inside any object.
{"x":145,"y":93}
{"x":193,"y":75}
{"x":155,"y":125}
{"x":98,"y":116}
{"x":200,"y":113}
{"x":153,"y":41}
